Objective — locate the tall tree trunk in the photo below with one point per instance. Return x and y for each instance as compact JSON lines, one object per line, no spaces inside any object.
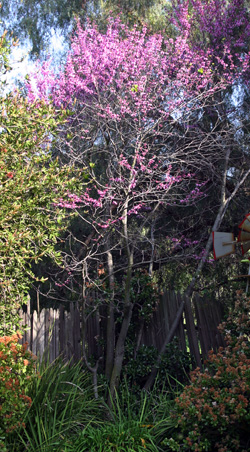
{"x":127,"y":311}
{"x":92,"y":369}
{"x":120,"y":346}
{"x":110,"y":317}
{"x":139,"y":337}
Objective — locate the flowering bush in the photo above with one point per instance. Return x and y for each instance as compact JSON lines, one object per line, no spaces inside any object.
{"x":16,"y":368}
{"x":213,"y":411}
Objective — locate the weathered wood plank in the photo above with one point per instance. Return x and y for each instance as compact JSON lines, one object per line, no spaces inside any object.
{"x":41,"y":335}
{"x":56,"y":333}
{"x":51,"y":338}
{"x":62,"y":331}
{"x":201,"y":309}
{"x":28,"y":323}
{"x":192,"y":335}
{"x":34,"y":332}
{"x":180,"y":329}
{"x":46,"y":334}
{"x":77,"y":334}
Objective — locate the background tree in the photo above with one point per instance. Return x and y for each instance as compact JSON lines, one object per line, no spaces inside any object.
{"x":31,"y":184}
{"x":37,"y":21}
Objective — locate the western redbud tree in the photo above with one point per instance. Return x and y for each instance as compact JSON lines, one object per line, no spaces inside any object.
{"x":136,"y":102}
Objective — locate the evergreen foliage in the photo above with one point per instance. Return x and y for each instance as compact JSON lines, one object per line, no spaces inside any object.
{"x":36,"y":20}
{"x":31,"y":184}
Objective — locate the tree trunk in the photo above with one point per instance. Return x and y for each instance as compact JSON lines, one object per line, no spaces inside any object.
{"x":92,"y":369}
{"x":120,"y":346}
{"x":127,"y":312}
{"x":110,"y":318}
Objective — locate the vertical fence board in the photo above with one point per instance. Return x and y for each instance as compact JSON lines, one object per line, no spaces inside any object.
{"x":51,"y":345}
{"x":77,"y":334}
{"x":202,"y":333}
{"x":57,"y":329}
{"x":192,"y":335}
{"x":47,"y":322}
{"x":62,"y":331}
{"x":41,"y":335}
{"x":34,"y":332}
{"x":28,"y":322}
{"x":180,"y":329}
{"x":56,"y":333}
{"x":69,"y":336}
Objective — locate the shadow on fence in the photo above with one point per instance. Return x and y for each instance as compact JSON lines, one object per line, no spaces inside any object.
{"x":54,"y":332}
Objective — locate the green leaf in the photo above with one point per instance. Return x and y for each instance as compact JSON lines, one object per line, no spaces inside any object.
{"x":134,"y":88}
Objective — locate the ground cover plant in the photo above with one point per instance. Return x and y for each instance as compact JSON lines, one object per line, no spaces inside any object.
{"x":118,"y":435}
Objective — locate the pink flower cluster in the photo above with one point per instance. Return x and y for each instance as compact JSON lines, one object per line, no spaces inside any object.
{"x":129,"y":73}
{"x":222,"y":29}
{"x":133,"y":85}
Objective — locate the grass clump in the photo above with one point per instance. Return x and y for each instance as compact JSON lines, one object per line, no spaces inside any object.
{"x":62,"y":405}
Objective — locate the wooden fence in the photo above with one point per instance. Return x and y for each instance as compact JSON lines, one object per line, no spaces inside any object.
{"x":54,"y":332}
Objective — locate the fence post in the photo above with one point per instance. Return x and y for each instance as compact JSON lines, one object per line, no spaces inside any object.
{"x":77,"y":334}
{"x":191,"y":331}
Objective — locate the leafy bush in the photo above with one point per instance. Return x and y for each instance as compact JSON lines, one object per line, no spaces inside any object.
{"x":144,"y":294}
{"x":212,"y":413}
{"x":16,"y":368}
{"x":175,"y":365}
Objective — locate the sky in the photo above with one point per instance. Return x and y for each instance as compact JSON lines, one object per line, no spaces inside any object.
{"x":22,"y":64}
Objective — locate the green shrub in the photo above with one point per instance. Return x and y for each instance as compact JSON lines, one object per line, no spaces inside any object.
{"x":175,"y":365}
{"x":16,"y":368}
{"x":212,"y":413}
